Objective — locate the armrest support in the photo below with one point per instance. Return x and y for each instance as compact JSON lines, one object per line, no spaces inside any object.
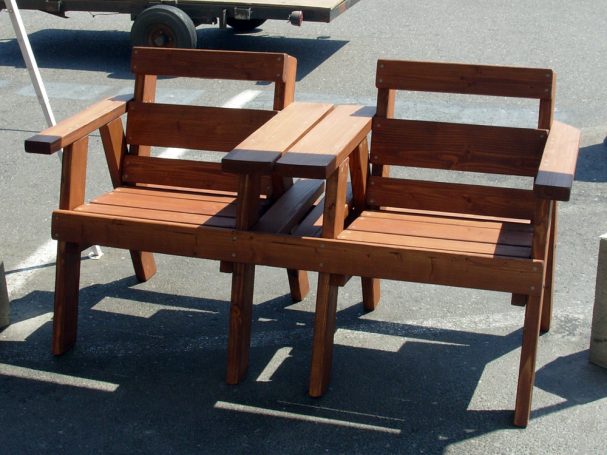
{"x":322,"y":151}
{"x":557,"y":168}
{"x":78,"y":126}
{"x":260,"y":150}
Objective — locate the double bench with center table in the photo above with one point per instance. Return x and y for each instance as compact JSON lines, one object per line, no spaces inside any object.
{"x":374,"y":226}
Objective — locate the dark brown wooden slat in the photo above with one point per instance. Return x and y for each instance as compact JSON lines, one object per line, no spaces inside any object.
{"x":450,"y":197}
{"x":435,"y":244}
{"x":473,"y":232}
{"x":207,"y":195}
{"x":557,"y":170}
{"x":473,"y":148}
{"x":168,"y":204}
{"x":327,"y":255}
{"x":451,"y":219}
{"x":466,"y":79}
{"x":78,"y":126}
{"x":259,"y":151}
{"x":192,"y":127}
{"x":322,"y":150}
{"x":291,"y":207}
{"x":183,"y":173}
{"x":250,"y":66}
{"x":158,"y":215}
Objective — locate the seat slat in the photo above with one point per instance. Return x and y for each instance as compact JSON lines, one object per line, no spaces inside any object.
{"x":472,"y":148}
{"x":179,"y":193}
{"x":465,"y":79}
{"x":435,"y":244}
{"x":168,"y":204}
{"x":450,"y":219}
{"x":473,"y":232}
{"x":450,"y":197}
{"x":158,"y":215}
{"x":192,"y":127}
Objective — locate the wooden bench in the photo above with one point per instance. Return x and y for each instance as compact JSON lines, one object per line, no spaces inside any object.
{"x":456,"y":234}
{"x":168,"y":205}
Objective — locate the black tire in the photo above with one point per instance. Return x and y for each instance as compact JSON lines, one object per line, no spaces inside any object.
{"x":163,"y":26}
{"x":244,"y":25}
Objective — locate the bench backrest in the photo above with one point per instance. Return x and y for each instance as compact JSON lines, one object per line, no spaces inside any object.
{"x":453,"y":146}
{"x":196,"y":127}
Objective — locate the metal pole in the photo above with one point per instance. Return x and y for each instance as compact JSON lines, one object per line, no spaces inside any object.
{"x":34,"y":72}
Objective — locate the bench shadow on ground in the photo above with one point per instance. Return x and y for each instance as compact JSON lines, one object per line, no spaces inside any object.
{"x":156,"y":381}
{"x":109,"y":51}
{"x":592,"y":164}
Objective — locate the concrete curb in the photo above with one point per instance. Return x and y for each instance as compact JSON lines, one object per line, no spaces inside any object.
{"x":598,"y":335}
{"x":4,"y":302}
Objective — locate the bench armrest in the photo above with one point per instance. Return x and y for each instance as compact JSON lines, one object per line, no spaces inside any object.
{"x":78,"y":126}
{"x":320,"y":153}
{"x":557,"y":168}
{"x":259,"y":152}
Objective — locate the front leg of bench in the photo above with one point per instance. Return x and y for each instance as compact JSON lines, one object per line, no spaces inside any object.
{"x":243,"y":279}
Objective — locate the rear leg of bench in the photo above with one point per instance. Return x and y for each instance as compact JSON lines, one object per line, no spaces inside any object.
{"x":371,"y":293}
{"x":239,"y":331}
{"x":549,"y":280}
{"x":144,"y":264}
{"x":67,"y":281}
{"x":526,"y":378}
{"x":324,"y":331}
{"x":298,"y":284}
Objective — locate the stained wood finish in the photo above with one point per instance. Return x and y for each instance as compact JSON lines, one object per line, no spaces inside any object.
{"x":320,"y":152}
{"x":182,"y":173}
{"x":67,"y":279}
{"x":459,"y":147}
{"x":192,"y":127}
{"x":557,"y":169}
{"x":115,"y":148}
{"x":465,"y":79}
{"x":248,"y":66}
{"x":67,"y":131}
{"x":73,"y":174}
{"x":450,"y":197}
{"x":260,"y":150}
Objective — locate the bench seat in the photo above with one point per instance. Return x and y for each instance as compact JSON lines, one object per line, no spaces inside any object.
{"x":422,"y":230}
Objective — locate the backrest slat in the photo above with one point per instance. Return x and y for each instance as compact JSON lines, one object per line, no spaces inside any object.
{"x":192,"y":127}
{"x":465,"y":79}
{"x":182,"y":173}
{"x":451,"y":197}
{"x":246,"y":66}
{"x":461,"y":147}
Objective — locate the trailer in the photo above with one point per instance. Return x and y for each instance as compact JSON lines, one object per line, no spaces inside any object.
{"x":172,"y":23}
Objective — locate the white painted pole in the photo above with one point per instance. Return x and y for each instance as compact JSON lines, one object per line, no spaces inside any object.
{"x":34,"y":72}
{"x":30,"y":61}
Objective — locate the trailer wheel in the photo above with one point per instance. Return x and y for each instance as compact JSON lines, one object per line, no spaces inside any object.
{"x":244,"y":25}
{"x":163,"y":26}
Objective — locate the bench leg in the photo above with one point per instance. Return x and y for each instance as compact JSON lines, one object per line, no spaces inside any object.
{"x":67,"y":281}
{"x":239,"y":331}
{"x":549,"y":280}
{"x":324,"y":331}
{"x":144,"y":265}
{"x":299,"y":284}
{"x":371,"y":293}
{"x":526,"y":378}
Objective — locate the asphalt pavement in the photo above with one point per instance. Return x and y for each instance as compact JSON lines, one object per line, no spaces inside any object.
{"x":432,"y":370}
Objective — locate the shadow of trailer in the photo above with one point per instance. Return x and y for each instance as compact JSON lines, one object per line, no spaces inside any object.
{"x":173,"y":23}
